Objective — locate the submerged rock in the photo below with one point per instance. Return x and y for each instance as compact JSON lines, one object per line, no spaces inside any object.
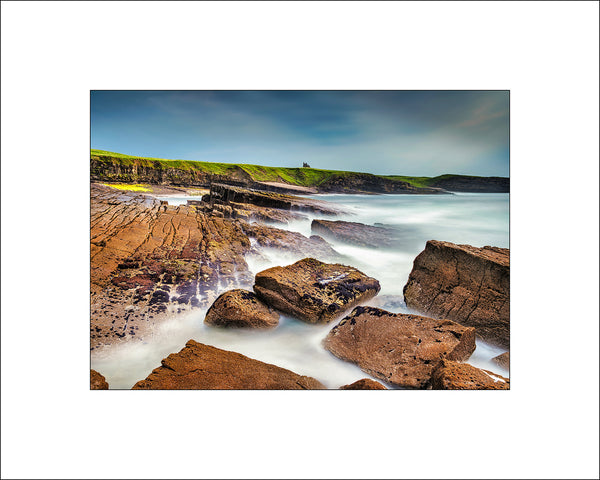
{"x":355,"y":233}
{"x":503,"y":360}
{"x":293,"y":243}
{"x":241,"y":308}
{"x":97,"y":381}
{"x":399,"y":349}
{"x":466,"y":284}
{"x":202,"y":367}
{"x":313,"y":291}
{"x":364,"y":384}
{"x":461,"y":376}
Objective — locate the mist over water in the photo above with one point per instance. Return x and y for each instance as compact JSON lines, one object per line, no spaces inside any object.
{"x":474,"y":219}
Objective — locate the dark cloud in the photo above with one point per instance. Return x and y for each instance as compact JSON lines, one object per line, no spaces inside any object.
{"x":403,"y":132}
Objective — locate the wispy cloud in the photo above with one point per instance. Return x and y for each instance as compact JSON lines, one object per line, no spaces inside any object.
{"x":413,"y":133}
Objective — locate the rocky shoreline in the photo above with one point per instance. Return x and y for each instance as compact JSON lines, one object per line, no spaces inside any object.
{"x":151,"y":260}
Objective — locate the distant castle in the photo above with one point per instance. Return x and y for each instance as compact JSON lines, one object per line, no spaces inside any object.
{"x":305,"y":165}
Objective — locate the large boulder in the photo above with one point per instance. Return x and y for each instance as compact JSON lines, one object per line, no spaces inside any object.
{"x":97,"y":381}
{"x":355,"y":233}
{"x":466,"y":284}
{"x":241,"y":308}
{"x":364,"y":384}
{"x":202,"y":367}
{"x":461,"y":376}
{"x":397,"y":348}
{"x":313,"y":291}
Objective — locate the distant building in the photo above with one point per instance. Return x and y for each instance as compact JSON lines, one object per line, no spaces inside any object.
{"x":305,"y":165}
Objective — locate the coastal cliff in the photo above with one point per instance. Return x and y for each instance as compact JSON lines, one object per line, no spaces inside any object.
{"x":114,"y":167}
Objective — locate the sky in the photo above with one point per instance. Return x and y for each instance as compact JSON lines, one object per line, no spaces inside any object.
{"x":417,"y":133}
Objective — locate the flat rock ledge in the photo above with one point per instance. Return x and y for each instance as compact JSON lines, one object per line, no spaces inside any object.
{"x":354,"y":233}
{"x":364,"y":384}
{"x":399,"y":349}
{"x":203,"y":367}
{"x":466,"y":284}
{"x":241,"y":309}
{"x":451,"y":375}
{"x":97,"y":381}
{"x":313,"y":291}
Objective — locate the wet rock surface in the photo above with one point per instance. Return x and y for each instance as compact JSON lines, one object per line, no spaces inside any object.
{"x":97,"y":381}
{"x":200,"y":367}
{"x":451,"y":375}
{"x":466,"y":284}
{"x":313,"y":291}
{"x":355,"y":233}
{"x":364,"y":384}
{"x":399,"y":349}
{"x":150,"y":260}
{"x":241,"y":309}
{"x":226,"y":194}
{"x":292,"y":243}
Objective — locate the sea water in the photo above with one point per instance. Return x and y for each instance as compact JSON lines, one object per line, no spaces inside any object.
{"x":474,"y":219}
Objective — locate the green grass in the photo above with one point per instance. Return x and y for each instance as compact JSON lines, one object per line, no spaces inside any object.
{"x":415,"y":181}
{"x":307,"y":177}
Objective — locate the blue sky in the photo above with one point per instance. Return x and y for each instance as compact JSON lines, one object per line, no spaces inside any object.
{"x":385,"y":132}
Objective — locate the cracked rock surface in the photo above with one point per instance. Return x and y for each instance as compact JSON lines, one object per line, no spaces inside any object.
{"x":313,"y":291}
{"x":201,"y":367}
{"x":397,"y":348}
{"x":466,"y":284}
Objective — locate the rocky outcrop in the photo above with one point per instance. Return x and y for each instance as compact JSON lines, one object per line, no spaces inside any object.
{"x":149,"y":260}
{"x":502,"y":360}
{"x":466,"y":284}
{"x":313,"y":291}
{"x":397,"y":348}
{"x":97,"y":381}
{"x":202,"y":367}
{"x":355,"y":233}
{"x":450,"y":375}
{"x":242,"y":309}
{"x":364,"y":384}
{"x":226,"y":194}
{"x":293,"y":243}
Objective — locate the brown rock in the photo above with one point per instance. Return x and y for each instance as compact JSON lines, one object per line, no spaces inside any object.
{"x":202,"y":367}
{"x":241,"y":308}
{"x":364,"y":384}
{"x":224,"y":194}
{"x":398,"y":348}
{"x":502,"y":360}
{"x":290,"y":242}
{"x":462,"y":376}
{"x":313,"y":291}
{"x":355,"y":233}
{"x":97,"y":381}
{"x":150,"y":260}
{"x":465,"y":284}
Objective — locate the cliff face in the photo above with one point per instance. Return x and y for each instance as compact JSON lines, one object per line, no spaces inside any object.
{"x":367,"y":183}
{"x":103,"y":168}
{"x":463,"y":183}
{"x":106,"y":168}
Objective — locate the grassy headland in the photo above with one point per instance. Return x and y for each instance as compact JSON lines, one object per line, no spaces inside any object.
{"x":118,"y":167}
